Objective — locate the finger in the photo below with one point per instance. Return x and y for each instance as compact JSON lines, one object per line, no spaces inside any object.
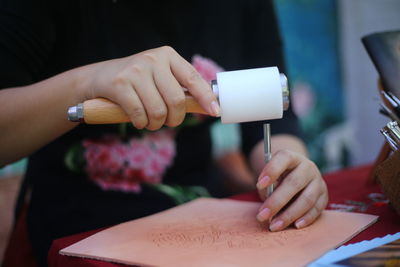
{"x":290,"y":186}
{"x":262,"y":186}
{"x":313,"y":213}
{"x":281,"y":162}
{"x":189,"y":78}
{"x":151,"y":99}
{"x":293,"y":183}
{"x":130,"y":102}
{"x":305,"y":202}
{"x":172,"y":94}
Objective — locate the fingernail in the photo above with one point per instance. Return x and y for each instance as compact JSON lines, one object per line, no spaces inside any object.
{"x":300,"y":224}
{"x":263,"y":182}
{"x":276,"y":225}
{"x":264,"y":214}
{"x":216,"y":111}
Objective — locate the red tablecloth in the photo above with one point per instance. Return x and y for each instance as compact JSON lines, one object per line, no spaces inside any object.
{"x":343,"y":186}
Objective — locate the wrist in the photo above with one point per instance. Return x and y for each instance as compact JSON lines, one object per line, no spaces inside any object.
{"x":82,"y":83}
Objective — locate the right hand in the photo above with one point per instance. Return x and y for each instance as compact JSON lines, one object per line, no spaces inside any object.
{"x":149,"y":87}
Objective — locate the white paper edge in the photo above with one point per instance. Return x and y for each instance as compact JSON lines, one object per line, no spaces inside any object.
{"x":348,"y":251}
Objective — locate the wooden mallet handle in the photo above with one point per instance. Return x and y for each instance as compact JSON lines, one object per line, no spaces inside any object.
{"x":103,"y":111}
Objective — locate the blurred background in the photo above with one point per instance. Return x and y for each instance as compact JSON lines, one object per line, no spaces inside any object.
{"x":333,"y":80}
{"x":333,"y":85}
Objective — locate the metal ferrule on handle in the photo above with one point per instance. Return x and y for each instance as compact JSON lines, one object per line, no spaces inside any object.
{"x":75,"y":113}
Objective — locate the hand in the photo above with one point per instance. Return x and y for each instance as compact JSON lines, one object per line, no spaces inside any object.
{"x":149,"y":87}
{"x":300,"y":196}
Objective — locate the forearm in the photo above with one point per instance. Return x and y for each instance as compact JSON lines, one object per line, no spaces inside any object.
{"x":34,"y":115}
{"x":278,"y":142}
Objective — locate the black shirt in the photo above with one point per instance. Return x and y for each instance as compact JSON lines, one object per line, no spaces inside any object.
{"x":41,"y":38}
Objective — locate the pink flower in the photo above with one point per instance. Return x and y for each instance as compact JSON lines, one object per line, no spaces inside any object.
{"x":206,"y":67}
{"x":114,"y":165}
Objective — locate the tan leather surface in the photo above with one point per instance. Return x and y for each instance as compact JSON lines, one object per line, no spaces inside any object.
{"x":212,"y":232}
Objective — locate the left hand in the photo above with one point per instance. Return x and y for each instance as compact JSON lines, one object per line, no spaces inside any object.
{"x":299,"y":198}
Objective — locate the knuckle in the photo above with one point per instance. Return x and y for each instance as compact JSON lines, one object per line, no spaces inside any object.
{"x":324,"y":188}
{"x":177,"y":102}
{"x":139,"y":124}
{"x":158,"y":113}
{"x":174,"y":122}
{"x":137,"y":112}
{"x":154,"y":125}
{"x":150,"y":57}
{"x":136,"y":69}
{"x":138,"y":116}
{"x":167,"y":49}
{"x":273,"y":171}
{"x":119,"y":80}
{"x":209,"y":95}
{"x":316,"y":211}
{"x":286,"y":154}
{"x":294,"y":183}
{"x":312,"y":166}
{"x":274,"y":203}
{"x":322,"y":202}
{"x":309,"y":200}
{"x":192,"y":79}
{"x":313,"y":214}
{"x":287,"y":217}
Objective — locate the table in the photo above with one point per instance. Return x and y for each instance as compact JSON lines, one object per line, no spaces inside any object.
{"x":348,"y":186}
